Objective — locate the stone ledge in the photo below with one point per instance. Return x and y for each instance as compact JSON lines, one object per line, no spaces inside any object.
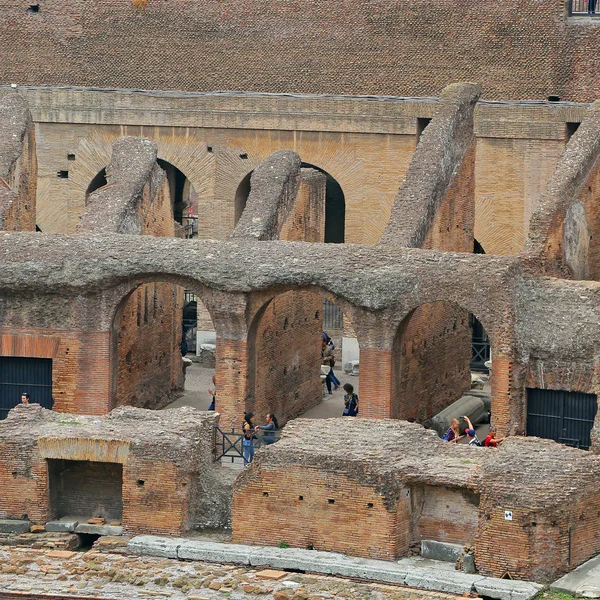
{"x":330,"y":563}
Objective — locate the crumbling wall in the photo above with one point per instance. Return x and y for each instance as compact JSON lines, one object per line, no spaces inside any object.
{"x":18,"y":165}
{"x":166,"y":484}
{"x":274,"y":185}
{"x":559,"y":232}
{"x":136,"y":200}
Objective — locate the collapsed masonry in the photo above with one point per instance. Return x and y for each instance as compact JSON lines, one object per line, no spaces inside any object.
{"x":63,"y":297}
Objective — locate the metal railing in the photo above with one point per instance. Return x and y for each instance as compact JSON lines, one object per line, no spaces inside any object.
{"x":584,"y":7}
{"x":229,"y":444}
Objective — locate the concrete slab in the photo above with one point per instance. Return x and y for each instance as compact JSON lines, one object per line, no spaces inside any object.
{"x":585,"y":578}
{"x":441,"y":550}
{"x":14,"y":526}
{"x":507,"y":589}
{"x":153,"y":545}
{"x":214,"y":552}
{"x":99,"y":529}
{"x":62,"y":526}
{"x":441,"y":581}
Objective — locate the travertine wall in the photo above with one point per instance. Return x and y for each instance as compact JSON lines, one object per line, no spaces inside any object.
{"x":517,"y":49}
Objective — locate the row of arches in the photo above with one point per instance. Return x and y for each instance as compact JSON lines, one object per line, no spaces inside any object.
{"x":184,"y":199}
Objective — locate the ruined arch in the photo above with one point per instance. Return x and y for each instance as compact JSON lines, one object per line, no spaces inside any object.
{"x":335,"y":204}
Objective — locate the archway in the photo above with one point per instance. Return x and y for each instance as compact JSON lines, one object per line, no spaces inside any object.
{"x":335,"y":204}
{"x":184,"y":198}
{"x":432,"y":354}
{"x":285,"y":358}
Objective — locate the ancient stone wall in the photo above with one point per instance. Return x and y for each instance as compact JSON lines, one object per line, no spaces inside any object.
{"x":18,"y":165}
{"x":163,"y":484}
{"x":517,"y":49}
{"x":136,"y":200}
{"x":404,"y":485}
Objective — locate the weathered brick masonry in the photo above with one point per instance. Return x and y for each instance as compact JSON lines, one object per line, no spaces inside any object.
{"x":152,"y":470}
{"x":370,"y":488}
{"x":517,"y":49}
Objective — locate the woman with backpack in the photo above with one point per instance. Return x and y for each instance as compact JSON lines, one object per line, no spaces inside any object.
{"x":350,"y":401}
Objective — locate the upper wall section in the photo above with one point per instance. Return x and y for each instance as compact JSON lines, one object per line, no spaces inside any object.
{"x":516,"y":49}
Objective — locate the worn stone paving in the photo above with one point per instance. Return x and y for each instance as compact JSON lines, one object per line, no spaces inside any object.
{"x":119,"y":576}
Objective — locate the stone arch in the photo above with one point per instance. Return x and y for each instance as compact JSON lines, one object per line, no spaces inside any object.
{"x":284,"y":350}
{"x":335,"y":203}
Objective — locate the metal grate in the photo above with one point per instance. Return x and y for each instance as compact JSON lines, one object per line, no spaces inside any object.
{"x":333,"y":317}
{"x":18,"y":375}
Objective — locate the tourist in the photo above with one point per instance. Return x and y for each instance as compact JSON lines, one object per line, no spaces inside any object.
{"x":327,"y":358}
{"x":24,"y":398}
{"x":411,"y":420}
{"x":350,"y":401}
{"x":213,"y":392}
{"x":453,"y":434}
{"x":247,"y":423}
{"x":427,"y":424}
{"x":491,"y":440}
{"x":248,"y":446}
{"x":472,"y":439}
{"x":269,"y":429}
{"x":591,"y":7}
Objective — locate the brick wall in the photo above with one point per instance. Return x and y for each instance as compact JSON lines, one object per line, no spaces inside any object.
{"x":431,"y":360}
{"x":514,"y":48}
{"x":328,"y":511}
{"x":287,"y":355}
{"x":85,"y":489}
{"x":80,"y":365}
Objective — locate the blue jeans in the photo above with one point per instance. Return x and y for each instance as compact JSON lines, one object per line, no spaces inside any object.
{"x":331,"y":378}
{"x":248,"y":446}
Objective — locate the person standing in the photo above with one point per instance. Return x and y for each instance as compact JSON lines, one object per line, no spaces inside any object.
{"x":453,"y":434}
{"x":491,"y":441}
{"x":591,"y":7}
{"x":327,"y":358}
{"x":24,"y":398}
{"x":213,"y":392}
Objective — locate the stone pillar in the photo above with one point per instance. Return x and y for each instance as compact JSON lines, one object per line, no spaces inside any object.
{"x":508,"y":401}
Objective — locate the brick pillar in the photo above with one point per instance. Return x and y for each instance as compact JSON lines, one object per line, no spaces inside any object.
{"x":508,"y":403}
{"x":375,"y":389}
{"x":231,"y":374}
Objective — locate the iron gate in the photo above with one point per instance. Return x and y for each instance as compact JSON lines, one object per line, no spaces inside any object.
{"x":18,"y":375}
{"x":565,"y":417}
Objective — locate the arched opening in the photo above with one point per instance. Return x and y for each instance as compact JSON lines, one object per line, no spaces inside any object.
{"x":184,"y":198}
{"x":335,"y":204}
{"x":285,"y":370}
{"x":97,"y":182}
{"x":154,"y":337}
{"x":432,"y":354}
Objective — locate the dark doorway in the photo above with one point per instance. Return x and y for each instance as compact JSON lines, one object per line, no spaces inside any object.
{"x":335,"y":208}
{"x":565,"y":417}
{"x":19,"y":375}
{"x":96,"y":183}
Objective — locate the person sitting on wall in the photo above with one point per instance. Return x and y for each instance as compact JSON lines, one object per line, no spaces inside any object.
{"x":491,"y":440}
{"x":269,"y":429}
{"x":453,"y":433}
{"x":350,"y":401}
{"x":472,"y":438}
{"x":213,"y":392}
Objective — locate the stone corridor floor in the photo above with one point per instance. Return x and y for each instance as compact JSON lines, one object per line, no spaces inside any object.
{"x":123,"y":577}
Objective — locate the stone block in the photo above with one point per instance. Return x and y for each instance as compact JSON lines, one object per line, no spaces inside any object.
{"x":98,"y":529}
{"x":14,"y":526}
{"x":62,"y":526}
{"x":440,"y":550}
{"x":468,"y":565}
{"x":507,"y":589}
{"x":214,"y":552}
{"x":441,"y":581}
{"x":207,"y":355}
{"x":153,"y":545}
